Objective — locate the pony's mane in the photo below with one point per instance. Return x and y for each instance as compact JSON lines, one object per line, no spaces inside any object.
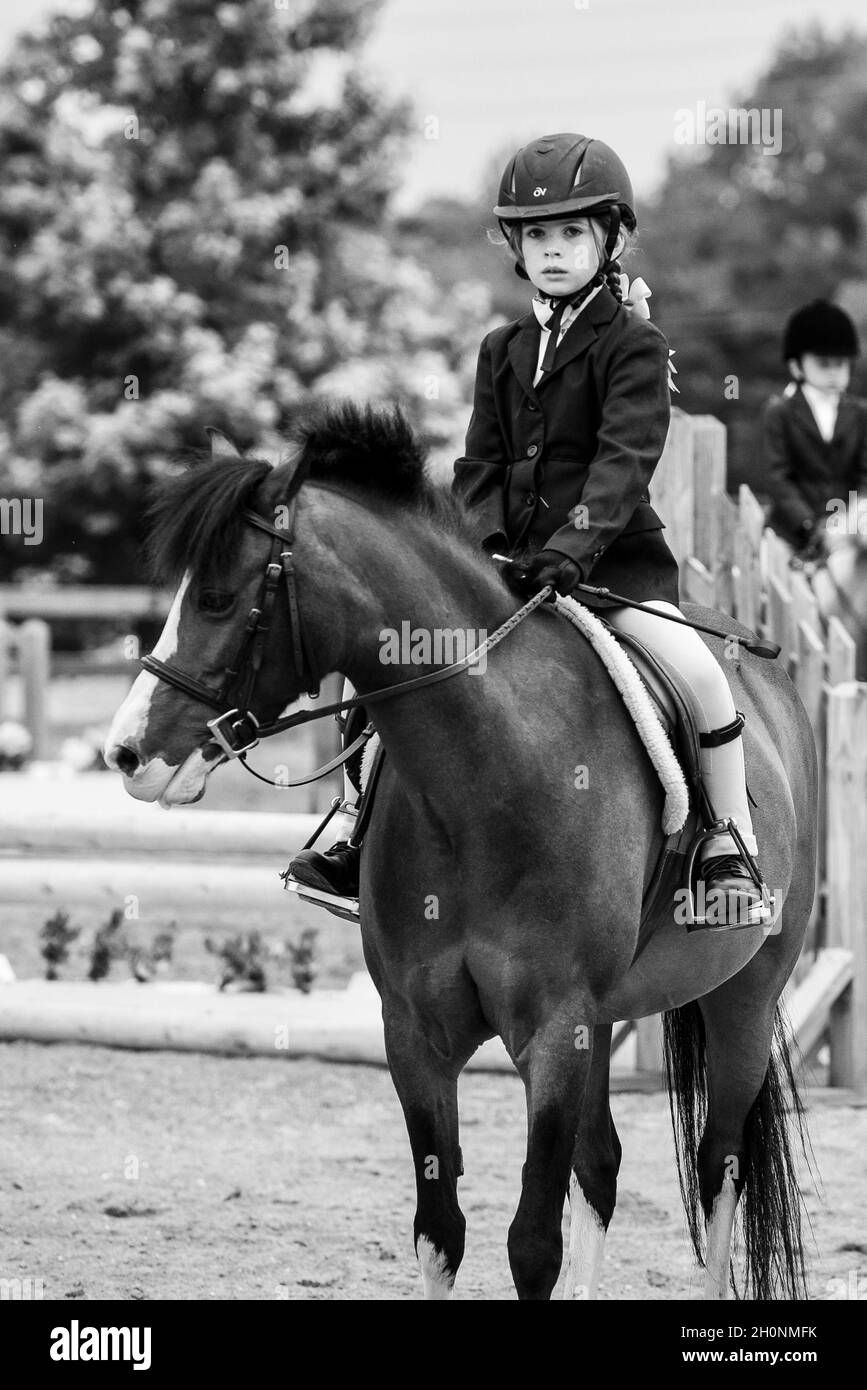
{"x":365,"y":445}
{"x":195,"y":519}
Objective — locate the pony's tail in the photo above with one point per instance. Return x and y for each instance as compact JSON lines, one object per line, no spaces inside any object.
{"x":770,"y":1207}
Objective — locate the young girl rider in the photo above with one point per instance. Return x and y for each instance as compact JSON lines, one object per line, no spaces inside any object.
{"x":570,"y":417}
{"x":813,"y":438}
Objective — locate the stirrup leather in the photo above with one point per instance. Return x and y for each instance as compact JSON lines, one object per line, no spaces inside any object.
{"x":714,"y":738}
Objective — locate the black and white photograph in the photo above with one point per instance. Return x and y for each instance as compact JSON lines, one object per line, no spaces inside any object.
{"x":433,"y":668}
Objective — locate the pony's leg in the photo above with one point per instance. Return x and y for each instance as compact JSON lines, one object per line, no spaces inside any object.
{"x":593,"y":1186}
{"x":555,"y":1074}
{"x":734,"y":1079}
{"x":428,"y":1093}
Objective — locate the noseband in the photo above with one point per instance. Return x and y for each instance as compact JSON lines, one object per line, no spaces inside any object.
{"x":236,"y":729}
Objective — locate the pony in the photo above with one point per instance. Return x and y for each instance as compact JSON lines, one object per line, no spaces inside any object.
{"x":500,"y":894}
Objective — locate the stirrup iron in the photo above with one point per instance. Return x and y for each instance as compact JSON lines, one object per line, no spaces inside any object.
{"x":759,"y":915}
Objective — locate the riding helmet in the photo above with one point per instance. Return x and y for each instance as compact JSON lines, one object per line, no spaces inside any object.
{"x":561,"y":174}
{"x":822,"y":328}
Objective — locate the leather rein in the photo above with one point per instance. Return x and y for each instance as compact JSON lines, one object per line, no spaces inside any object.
{"x":236,"y":729}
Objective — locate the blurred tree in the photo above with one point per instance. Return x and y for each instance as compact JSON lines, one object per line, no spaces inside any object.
{"x":192,"y":232}
{"x":737,"y":238}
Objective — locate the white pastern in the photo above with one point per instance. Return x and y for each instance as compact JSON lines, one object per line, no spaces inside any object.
{"x":438,"y":1282}
{"x":719,"y":1242}
{"x":586,"y":1246}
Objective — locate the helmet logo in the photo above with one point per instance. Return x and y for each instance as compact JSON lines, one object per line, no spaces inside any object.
{"x":539,"y":192}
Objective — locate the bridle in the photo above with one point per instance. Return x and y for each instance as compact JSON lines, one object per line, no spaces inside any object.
{"x":236,"y":729}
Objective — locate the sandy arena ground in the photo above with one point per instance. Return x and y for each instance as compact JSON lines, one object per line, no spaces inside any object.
{"x":157,"y":1175}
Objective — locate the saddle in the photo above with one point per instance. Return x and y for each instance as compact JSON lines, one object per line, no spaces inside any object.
{"x":681,"y":848}
{"x":677,"y":864}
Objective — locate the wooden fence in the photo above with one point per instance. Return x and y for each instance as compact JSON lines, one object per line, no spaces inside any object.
{"x":731,"y":561}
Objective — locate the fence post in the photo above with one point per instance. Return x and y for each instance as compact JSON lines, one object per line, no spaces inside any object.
{"x":326,"y":745}
{"x":34,"y":660}
{"x":725,"y":580}
{"x":672,"y":490}
{"x":5,"y":638}
{"x":810,"y":683}
{"x":648,"y":1045}
{"x":841,"y":653}
{"x":847,"y":875}
{"x":748,"y":543}
{"x":709,"y":483}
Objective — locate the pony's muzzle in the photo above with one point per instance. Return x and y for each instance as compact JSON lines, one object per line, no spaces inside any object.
{"x":122,"y":757}
{"x":236,"y":733}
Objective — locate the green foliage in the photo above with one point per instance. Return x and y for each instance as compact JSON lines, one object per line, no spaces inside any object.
{"x":56,"y":937}
{"x":737,"y":239}
{"x":302,"y":954}
{"x":191,"y":234}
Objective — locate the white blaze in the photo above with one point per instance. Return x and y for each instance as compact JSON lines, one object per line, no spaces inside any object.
{"x":157,"y":779}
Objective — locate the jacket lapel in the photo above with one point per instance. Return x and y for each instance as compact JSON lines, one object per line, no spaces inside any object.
{"x":801,"y":408}
{"x":847,"y":415}
{"x":524,"y":346}
{"x":583,"y":331}
{"x":524,"y":352}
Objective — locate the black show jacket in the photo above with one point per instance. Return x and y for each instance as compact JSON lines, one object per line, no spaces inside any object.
{"x":801,"y":470}
{"x":590,"y":433}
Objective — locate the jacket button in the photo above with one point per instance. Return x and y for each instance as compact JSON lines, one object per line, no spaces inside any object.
{"x":530,"y":499}
{"x":532,"y":451}
{"x":531,"y":405}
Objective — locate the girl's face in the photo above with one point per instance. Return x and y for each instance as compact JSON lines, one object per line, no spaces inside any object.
{"x":829,"y":374}
{"x":560,"y":256}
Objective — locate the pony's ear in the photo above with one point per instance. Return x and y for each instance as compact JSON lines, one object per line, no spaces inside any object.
{"x":221,"y":446}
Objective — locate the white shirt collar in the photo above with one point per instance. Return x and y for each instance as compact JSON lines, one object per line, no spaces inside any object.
{"x":543,"y":312}
{"x":824,"y":407}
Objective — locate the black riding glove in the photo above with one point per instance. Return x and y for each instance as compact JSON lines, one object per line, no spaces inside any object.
{"x":548,"y":567}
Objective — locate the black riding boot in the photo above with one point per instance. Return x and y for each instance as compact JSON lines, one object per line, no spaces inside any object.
{"x":336,"y":871}
{"x":731,"y":896}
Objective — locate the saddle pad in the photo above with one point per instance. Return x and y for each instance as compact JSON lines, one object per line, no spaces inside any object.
{"x":371,"y":748}
{"x":640,"y":707}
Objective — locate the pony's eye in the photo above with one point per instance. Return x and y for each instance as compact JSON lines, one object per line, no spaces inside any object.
{"x":215,"y":601}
